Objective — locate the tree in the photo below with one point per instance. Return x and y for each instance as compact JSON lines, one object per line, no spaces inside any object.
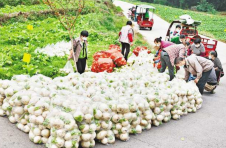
{"x":218,"y":4}
{"x":67,"y":12}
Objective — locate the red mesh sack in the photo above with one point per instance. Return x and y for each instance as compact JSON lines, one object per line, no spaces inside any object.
{"x":117,"y":57}
{"x":100,"y":54}
{"x":95,"y":66}
{"x":103,"y":64}
{"x":110,"y":52}
{"x":158,"y":65}
{"x":120,"y":62}
{"x":106,"y":64}
{"x":117,"y":47}
{"x":140,"y":48}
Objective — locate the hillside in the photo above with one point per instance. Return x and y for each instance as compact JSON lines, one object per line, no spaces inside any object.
{"x":20,"y":34}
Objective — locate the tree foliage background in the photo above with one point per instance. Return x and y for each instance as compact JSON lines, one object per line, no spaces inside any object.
{"x":219,"y":5}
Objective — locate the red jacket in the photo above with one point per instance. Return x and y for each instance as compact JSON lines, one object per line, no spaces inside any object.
{"x":130,"y":36}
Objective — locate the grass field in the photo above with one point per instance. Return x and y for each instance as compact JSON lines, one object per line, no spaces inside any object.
{"x":212,"y":25}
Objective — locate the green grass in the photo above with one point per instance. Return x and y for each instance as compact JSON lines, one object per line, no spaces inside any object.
{"x":212,"y":25}
{"x":16,"y":39}
{"x":23,"y":8}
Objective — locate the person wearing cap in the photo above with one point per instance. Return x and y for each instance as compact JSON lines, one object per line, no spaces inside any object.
{"x":126,"y":37}
{"x":168,"y":56}
{"x":79,"y":52}
{"x":198,"y":66}
{"x":198,"y":48}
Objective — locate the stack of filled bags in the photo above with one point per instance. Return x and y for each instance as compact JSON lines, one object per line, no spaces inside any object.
{"x":106,"y":60}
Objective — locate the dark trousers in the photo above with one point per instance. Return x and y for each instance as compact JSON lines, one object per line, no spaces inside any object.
{"x":81,"y":65}
{"x":125,"y":50}
{"x":202,"y":81}
{"x":165,"y":61}
{"x":218,"y":74}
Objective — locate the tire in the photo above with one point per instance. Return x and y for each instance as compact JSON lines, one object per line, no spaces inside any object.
{"x":140,"y":28}
{"x":150,"y":28}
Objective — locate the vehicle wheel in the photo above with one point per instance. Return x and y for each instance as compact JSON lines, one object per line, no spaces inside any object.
{"x":150,"y":28}
{"x":140,"y":28}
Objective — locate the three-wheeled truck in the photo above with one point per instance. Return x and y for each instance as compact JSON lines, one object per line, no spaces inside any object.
{"x":191,"y":33}
{"x":141,"y":15}
{"x":144,"y":20}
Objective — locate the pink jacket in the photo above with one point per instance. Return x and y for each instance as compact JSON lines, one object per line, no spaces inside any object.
{"x":165,"y":44}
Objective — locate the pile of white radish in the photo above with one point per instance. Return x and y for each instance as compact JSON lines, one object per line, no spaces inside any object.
{"x":79,"y":110}
{"x":59,"y":49}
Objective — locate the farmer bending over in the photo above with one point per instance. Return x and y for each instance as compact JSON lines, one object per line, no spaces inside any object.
{"x":79,"y":51}
{"x":198,"y":66}
{"x":168,"y":56}
{"x":160,"y":45}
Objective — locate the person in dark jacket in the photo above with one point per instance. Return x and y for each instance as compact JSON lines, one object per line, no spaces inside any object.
{"x":217,"y":64}
{"x":211,"y":84}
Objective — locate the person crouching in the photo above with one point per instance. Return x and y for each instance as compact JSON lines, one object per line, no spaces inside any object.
{"x":198,"y":66}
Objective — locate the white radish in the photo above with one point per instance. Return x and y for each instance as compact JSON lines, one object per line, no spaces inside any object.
{"x":98,"y":114}
{"x":85,"y":144}
{"x":124,"y":137}
{"x":26,"y":129}
{"x":37,"y":139}
{"x":12,"y":119}
{"x":18,"y":110}
{"x":86,"y":137}
{"x":68,"y":144}
{"x":104,"y":141}
{"x":37,"y":132}
{"x":44,"y":140}
{"x":68,"y":136}
{"x":31,"y":136}
{"x":45,"y":133}
{"x":59,"y":142}
{"x":101,"y":135}
{"x":25,"y":100}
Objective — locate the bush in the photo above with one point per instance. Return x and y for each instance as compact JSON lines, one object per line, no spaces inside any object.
{"x":206,"y":7}
{"x":162,"y":2}
{"x":18,"y":2}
